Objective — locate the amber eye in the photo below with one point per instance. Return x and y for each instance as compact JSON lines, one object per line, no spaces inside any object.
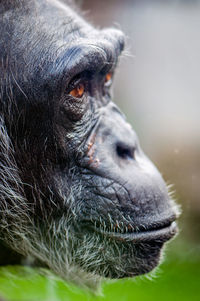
{"x":78,"y":91}
{"x":108,"y":79}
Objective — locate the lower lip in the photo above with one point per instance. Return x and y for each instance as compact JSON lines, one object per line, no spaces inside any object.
{"x":161,"y":235}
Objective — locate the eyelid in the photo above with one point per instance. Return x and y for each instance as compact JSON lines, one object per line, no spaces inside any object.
{"x":83,"y":77}
{"x":74,"y":83}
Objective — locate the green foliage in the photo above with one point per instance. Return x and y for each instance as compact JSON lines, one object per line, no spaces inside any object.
{"x":177,"y":280}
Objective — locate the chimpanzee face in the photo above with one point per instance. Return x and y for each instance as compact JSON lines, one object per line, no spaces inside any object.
{"x":83,"y":198}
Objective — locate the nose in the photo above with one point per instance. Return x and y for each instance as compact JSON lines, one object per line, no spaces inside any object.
{"x":125,"y":151}
{"x":119,"y":140}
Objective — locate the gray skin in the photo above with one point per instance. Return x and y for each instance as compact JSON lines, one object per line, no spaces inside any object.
{"x":77,"y":193}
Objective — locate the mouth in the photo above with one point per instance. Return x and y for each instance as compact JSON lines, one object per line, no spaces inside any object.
{"x":160,"y":232}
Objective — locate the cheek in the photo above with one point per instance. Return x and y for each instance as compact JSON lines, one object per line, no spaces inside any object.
{"x":73,"y":109}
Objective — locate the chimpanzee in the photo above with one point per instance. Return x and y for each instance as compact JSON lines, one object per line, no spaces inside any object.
{"x":77,"y":194}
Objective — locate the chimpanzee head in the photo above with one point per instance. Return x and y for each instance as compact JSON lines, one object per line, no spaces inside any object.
{"x":77,"y":192}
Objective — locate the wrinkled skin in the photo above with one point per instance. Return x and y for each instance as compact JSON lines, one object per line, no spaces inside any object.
{"x":77,"y":193}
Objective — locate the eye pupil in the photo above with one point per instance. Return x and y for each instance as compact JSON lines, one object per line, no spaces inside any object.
{"x":78,"y":91}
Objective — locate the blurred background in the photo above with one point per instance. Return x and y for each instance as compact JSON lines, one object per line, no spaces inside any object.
{"x":158,"y":87}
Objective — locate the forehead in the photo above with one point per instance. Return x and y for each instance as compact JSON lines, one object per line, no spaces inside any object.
{"x":54,"y":20}
{"x":49,"y":39}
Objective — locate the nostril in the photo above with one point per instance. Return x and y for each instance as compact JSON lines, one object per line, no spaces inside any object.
{"x":125,"y":152}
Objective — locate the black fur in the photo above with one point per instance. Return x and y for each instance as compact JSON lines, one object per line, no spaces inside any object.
{"x":77,"y":192}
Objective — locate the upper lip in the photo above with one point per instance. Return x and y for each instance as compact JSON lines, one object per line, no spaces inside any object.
{"x":157,"y":231}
